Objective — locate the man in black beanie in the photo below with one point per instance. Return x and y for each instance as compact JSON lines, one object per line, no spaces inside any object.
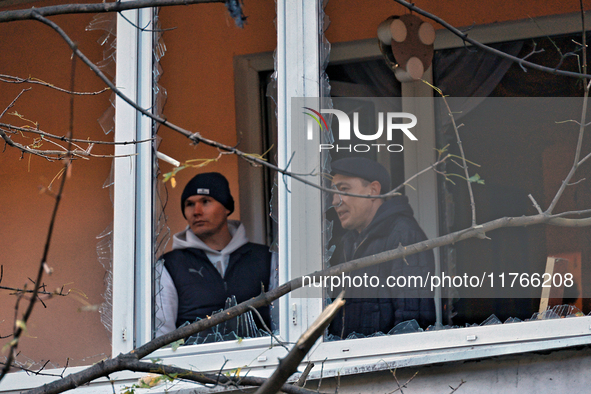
{"x":376,"y":225}
{"x":211,"y":259}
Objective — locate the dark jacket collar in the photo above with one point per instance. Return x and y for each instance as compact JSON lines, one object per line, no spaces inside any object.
{"x":397,"y":205}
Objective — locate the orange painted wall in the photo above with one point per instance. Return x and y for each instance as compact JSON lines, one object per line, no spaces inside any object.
{"x":198,"y":74}
{"x":354,"y":20}
{"x":61,"y":330}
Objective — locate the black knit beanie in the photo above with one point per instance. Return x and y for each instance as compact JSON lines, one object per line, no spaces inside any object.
{"x":360,"y":167}
{"x":211,"y":184}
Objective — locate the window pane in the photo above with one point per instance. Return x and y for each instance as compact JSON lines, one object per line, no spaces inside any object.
{"x":527,"y":158}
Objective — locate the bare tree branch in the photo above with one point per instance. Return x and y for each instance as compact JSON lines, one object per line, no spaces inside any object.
{"x":185,"y":374}
{"x":464,"y":163}
{"x":486,"y":48}
{"x":302,"y":379}
{"x":109,"y":366}
{"x":196,"y":137}
{"x":577,"y":152}
{"x":17,"y":80}
{"x":131,"y":360}
{"x":39,"y":371}
{"x":431,"y":167}
{"x":40,"y":292}
{"x":289,"y":364}
{"x":93,"y":8}
{"x":454,"y":389}
{"x":13,"y":101}
{"x":269,"y":331}
{"x":536,"y":205}
{"x":576,"y":162}
{"x":55,"y":154}
{"x":398,"y":383}
{"x":66,"y":139}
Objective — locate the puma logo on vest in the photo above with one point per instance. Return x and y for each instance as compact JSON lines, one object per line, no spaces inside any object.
{"x":195,"y":271}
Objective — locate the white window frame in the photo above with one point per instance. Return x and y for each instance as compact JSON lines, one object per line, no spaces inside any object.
{"x":131,"y":315}
{"x":296,"y":25}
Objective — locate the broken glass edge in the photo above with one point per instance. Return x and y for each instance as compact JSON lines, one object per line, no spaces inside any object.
{"x":411,"y":326}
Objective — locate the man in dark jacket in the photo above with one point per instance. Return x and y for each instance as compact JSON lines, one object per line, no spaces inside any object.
{"x":211,"y":259}
{"x":376,"y":225}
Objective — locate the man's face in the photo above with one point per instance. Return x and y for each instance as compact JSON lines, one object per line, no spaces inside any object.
{"x":206,"y":216}
{"x":355,"y":213}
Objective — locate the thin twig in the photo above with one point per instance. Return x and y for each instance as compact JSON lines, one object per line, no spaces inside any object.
{"x":268,"y":329}
{"x":31,"y":372}
{"x":453,"y":390}
{"x":66,"y":139}
{"x":533,"y":200}
{"x":145,"y":29}
{"x":405,"y":385}
{"x":16,"y":80}
{"x":51,"y":155}
{"x":206,"y":379}
{"x":321,"y":374}
{"x":31,"y":291}
{"x":398,"y":384}
{"x":533,"y":52}
{"x":13,"y":101}
{"x":576,"y":163}
{"x":462,"y":154}
{"x":584,"y":159}
{"x":302,"y":379}
{"x":431,"y":167}
{"x":577,"y":152}
{"x":338,"y":385}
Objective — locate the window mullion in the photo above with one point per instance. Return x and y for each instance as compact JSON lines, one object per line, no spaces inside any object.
{"x":144,"y":184}
{"x":417,"y":98}
{"x":124,"y":223}
{"x":299,"y":205}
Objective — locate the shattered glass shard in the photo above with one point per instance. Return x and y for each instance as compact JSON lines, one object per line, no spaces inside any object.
{"x":355,"y":335}
{"x":107,"y":120}
{"x":243,"y":326}
{"x":492,"y":319}
{"x":439,"y":327}
{"x":106,"y":22}
{"x":513,"y":320}
{"x":406,"y":327}
{"x":546,"y":315}
{"x":566,"y":310}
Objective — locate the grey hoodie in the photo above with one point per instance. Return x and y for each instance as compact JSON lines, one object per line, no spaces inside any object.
{"x":166,"y":295}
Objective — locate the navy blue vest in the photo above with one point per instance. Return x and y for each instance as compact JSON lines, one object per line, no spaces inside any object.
{"x":202,"y":290}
